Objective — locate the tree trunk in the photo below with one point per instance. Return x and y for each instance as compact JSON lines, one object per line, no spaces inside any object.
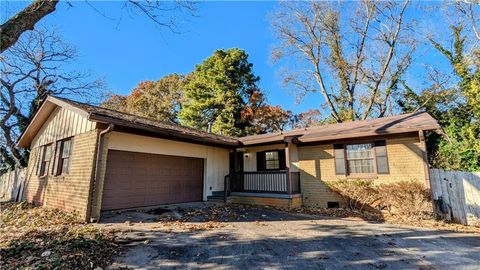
{"x":25,"y":20}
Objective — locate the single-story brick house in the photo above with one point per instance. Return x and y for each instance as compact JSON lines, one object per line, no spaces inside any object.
{"x":89,"y":159}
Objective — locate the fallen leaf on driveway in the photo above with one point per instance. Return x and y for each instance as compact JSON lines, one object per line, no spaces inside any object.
{"x":260,"y":223}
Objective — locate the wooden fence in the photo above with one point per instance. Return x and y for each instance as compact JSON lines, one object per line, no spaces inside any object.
{"x":457,"y":195}
{"x":12,"y":184}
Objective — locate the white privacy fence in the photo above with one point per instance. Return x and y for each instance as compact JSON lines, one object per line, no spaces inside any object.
{"x":457,"y":195}
{"x":12,"y":184}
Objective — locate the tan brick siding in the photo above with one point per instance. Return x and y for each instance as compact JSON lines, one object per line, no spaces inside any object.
{"x":405,"y":158}
{"x":69,"y":192}
{"x":277,"y":202}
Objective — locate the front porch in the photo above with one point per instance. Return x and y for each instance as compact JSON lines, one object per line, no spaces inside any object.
{"x":279,"y":188}
{"x":264,"y":174}
{"x":275,"y":182}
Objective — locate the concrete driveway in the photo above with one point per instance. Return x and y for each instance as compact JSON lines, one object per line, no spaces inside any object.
{"x":268,"y":239}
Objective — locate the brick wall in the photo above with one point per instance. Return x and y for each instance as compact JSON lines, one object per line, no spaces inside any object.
{"x":68,"y":192}
{"x":294,"y":202}
{"x":405,"y":158}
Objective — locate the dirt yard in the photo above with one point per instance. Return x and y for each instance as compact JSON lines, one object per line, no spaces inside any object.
{"x":210,"y":236}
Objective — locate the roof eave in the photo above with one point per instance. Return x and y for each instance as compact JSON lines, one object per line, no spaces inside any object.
{"x":311,"y":139}
{"x":24,"y":141}
{"x":161,"y":132}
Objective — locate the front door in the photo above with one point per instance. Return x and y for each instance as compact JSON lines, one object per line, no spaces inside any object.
{"x":236,"y":162}
{"x":239,"y":162}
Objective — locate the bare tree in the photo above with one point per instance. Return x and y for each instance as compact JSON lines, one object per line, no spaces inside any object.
{"x":309,"y":118}
{"x":469,"y":11}
{"x":162,"y":13}
{"x":33,"y":68}
{"x":354,"y":59}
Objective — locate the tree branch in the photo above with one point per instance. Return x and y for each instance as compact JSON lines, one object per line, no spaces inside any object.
{"x":25,"y":20}
{"x":389,"y":57}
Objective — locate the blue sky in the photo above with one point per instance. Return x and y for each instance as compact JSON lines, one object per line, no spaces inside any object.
{"x":128,"y":49}
{"x":132,"y":49}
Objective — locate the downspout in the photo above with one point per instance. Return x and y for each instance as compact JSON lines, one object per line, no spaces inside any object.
{"x":93,"y":194}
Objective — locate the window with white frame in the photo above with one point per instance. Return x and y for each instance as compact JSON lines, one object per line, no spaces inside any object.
{"x":272,"y":160}
{"x":360,"y":158}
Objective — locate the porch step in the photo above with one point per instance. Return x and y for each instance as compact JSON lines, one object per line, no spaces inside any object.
{"x":215,"y":198}
{"x":270,"y":199}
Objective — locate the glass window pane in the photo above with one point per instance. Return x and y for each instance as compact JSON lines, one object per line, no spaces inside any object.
{"x":271,"y":155}
{"x":351,"y":167}
{"x":46,"y":159}
{"x":56,"y":160}
{"x":272,"y":161}
{"x":65,"y":165}
{"x":360,"y":158}
{"x":355,"y":151}
{"x":67,"y":148}
{"x":48,"y":152}
{"x":40,"y":159}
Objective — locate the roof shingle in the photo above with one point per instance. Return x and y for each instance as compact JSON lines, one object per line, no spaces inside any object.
{"x":101,"y":114}
{"x":372,"y":127}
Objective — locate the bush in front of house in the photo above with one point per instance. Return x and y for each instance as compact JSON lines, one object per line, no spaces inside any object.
{"x":403,"y":199}
{"x":407,"y":199}
{"x":358,"y":194}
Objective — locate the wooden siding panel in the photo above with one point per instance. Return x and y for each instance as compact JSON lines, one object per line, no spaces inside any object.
{"x":250,"y":162}
{"x":61,"y":124}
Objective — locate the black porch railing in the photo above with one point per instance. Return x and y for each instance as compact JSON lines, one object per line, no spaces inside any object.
{"x":283,"y":182}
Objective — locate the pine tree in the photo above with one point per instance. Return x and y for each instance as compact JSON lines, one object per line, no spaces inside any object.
{"x":217,"y":92}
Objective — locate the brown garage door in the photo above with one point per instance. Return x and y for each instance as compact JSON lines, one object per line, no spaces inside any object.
{"x":137,"y":179}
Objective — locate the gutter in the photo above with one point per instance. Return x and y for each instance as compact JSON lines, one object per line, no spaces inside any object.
{"x":101,"y":135}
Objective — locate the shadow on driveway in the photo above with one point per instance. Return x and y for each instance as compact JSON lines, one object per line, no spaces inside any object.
{"x":262,"y":238}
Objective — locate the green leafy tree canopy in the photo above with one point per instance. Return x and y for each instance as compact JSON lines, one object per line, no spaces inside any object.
{"x":456,"y":108}
{"x":217,"y":92}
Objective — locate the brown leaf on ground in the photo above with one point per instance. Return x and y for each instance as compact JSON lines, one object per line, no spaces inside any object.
{"x":260,"y":223}
{"x":387,"y":217}
{"x":194,"y":226}
{"x":28,"y":232}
